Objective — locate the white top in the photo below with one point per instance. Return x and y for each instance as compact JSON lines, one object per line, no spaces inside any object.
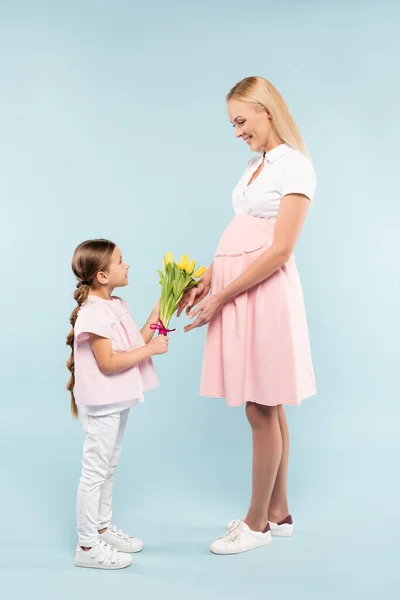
{"x":285,"y":171}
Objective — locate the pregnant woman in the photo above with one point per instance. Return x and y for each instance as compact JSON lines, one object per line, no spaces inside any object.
{"x":257,"y":350}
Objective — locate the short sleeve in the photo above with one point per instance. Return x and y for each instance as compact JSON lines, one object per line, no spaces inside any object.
{"x":92,"y":319}
{"x":299,"y":177}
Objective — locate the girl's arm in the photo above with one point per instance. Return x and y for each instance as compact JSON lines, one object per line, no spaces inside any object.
{"x":147,"y":333}
{"x":109,"y":362}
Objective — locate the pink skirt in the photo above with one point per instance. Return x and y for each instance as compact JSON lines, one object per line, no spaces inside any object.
{"x":257,"y":348}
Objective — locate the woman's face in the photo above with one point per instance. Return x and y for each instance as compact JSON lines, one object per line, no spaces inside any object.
{"x":251,"y":125}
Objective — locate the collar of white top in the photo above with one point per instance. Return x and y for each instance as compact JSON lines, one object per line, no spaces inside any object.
{"x":277,"y":152}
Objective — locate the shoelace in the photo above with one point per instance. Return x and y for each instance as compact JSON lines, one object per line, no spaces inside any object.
{"x":234,"y":533}
{"x":104,"y":552}
{"x":233,"y":525}
{"x":120,"y":533}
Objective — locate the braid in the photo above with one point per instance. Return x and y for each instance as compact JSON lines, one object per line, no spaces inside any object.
{"x":89,"y":259}
{"x":80,"y":295}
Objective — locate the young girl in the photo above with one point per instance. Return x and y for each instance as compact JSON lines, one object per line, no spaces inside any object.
{"x":111,"y":367}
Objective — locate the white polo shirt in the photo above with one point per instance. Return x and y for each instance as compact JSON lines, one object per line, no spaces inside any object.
{"x":285,"y":171}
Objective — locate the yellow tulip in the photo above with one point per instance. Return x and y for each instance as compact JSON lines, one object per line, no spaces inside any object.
{"x":199,"y":272}
{"x":168,"y":258}
{"x":184,"y":261}
{"x":190,"y":268}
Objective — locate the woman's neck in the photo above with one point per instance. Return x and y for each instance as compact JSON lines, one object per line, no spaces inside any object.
{"x":273,"y":142}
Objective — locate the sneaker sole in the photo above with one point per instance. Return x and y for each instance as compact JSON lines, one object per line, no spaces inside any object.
{"x":108,"y":568}
{"x":223,"y":552}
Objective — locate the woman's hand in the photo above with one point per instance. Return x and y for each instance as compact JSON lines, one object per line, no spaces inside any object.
{"x":206,"y":311}
{"x":194,"y":296}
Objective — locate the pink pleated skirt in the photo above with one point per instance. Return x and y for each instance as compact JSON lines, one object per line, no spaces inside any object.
{"x":257,"y":348}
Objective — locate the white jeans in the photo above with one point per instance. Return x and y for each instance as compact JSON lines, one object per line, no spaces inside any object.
{"x":101,"y":451}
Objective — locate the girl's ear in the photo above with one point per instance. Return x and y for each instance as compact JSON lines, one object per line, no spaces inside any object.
{"x":101,"y":277}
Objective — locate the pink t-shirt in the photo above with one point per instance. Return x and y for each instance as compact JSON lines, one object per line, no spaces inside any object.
{"x":110,"y":319}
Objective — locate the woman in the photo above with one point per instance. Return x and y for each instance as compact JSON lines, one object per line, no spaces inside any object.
{"x":257,"y":349}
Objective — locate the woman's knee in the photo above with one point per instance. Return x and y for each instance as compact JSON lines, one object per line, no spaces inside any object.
{"x":258,"y":414}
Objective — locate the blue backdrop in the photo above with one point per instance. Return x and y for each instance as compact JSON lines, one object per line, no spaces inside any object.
{"x":113,"y":124}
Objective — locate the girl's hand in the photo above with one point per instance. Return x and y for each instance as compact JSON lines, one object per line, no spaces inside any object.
{"x":158,"y":345}
{"x":206,"y":311}
{"x":156,"y":310}
{"x":193,"y":297}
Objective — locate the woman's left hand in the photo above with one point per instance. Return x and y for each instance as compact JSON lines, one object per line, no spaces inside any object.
{"x":206,"y":311}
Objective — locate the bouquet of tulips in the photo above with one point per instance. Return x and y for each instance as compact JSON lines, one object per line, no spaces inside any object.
{"x":175,"y":280}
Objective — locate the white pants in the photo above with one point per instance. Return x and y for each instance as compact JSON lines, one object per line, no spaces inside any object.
{"x":101,"y":451}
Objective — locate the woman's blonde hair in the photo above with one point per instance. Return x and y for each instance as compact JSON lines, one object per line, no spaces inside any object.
{"x":89,"y":258}
{"x":265,"y":97}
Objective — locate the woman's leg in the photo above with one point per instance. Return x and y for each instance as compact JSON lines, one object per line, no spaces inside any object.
{"x":278,"y":506}
{"x":267,"y":455}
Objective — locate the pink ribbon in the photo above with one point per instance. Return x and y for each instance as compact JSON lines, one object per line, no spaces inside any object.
{"x":160,"y":327}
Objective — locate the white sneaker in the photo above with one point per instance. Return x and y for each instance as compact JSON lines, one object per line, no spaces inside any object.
{"x":282,"y":529}
{"x":120,"y":540}
{"x":240,"y":538}
{"x":101,"y":556}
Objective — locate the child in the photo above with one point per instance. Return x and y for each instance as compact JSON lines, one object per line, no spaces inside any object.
{"x":111,"y":367}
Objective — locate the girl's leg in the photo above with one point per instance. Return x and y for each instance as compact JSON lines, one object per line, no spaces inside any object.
{"x":101,"y":435}
{"x":278,"y":506}
{"x":267,"y":454}
{"x":105,"y":505}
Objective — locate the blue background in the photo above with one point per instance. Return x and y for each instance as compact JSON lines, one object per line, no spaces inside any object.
{"x":113,"y":123}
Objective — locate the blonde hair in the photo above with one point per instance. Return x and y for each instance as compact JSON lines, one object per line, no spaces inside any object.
{"x":265,"y":97}
{"x":89,"y":258}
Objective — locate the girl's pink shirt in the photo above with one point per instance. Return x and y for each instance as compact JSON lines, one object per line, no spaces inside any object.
{"x":109,"y":319}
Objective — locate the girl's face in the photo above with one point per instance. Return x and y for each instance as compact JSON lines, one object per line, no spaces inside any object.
{"x":117,"y":272}
{"x":251,"y":125}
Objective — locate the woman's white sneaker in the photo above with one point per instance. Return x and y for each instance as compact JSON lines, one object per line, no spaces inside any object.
{"x":240,"y":538}
{"x":282,"y":529}
{"x":101,"y":556}
{"x":120,"y":540}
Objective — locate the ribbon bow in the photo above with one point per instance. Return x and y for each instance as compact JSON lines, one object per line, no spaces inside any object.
{"x":160,"y":327}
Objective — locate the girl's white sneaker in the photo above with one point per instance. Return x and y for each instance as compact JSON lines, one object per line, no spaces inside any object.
{"x":240,"y":538}
{"x":120,"y":540}
{"x":101,"y":556}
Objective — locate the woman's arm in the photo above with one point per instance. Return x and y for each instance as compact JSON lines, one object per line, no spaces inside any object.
{"x":289,"y":222}
{"x":288,"y":226}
